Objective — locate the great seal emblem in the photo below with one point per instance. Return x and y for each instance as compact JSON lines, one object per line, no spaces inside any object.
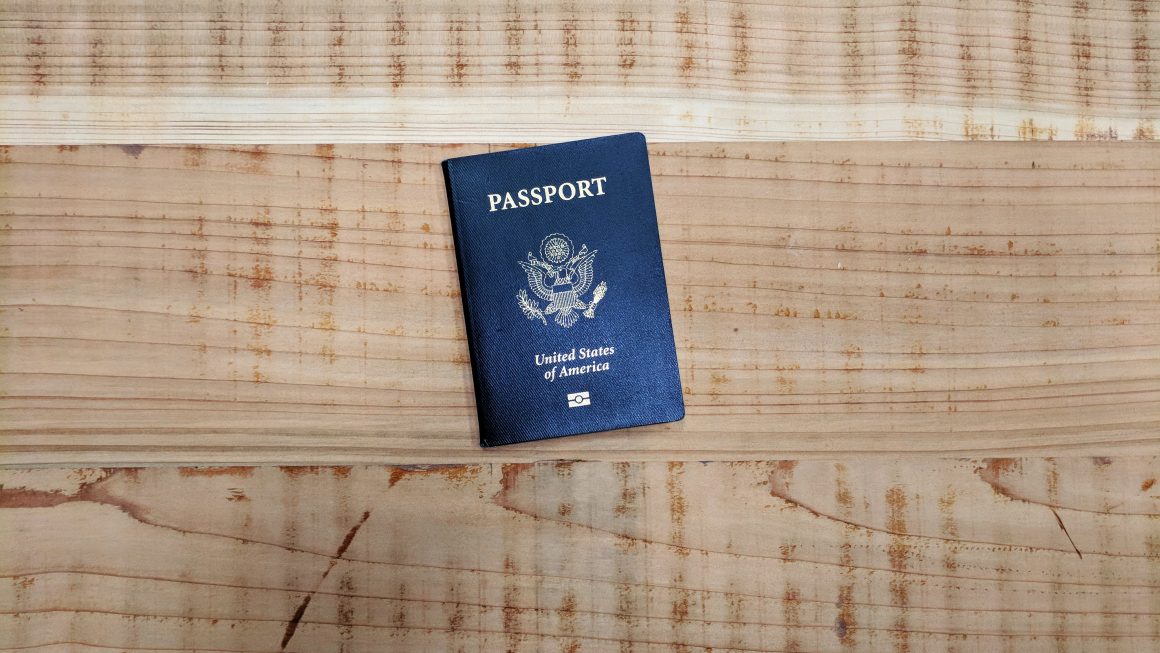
{"x":560,"y":278}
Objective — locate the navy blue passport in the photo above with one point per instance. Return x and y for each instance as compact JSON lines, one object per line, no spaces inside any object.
{"x":563,"y":289}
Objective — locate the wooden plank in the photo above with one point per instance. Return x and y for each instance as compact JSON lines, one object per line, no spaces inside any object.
{"x":990,"y":555}
{"x":266,"y":71}
{"x":300,"y":305}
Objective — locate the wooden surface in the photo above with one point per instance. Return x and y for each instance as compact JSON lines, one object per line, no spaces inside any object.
{"x":988,"y":555}
{"x":878,"y":306}
{"x":510,"y":70}
{"x":300,"y":305}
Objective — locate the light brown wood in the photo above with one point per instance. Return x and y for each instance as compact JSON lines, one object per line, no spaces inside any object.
{"x":300,"y":305}
{"x":242,"y":304}
{"x":990,"y":555}
{"x":265,"y":71}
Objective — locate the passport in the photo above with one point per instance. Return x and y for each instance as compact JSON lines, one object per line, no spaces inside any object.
{"x":563,"y":288}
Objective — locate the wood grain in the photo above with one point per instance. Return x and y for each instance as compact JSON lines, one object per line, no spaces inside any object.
{"x":921,"y":555}
{"x":266,"y":71}
{"x":300,"y":305}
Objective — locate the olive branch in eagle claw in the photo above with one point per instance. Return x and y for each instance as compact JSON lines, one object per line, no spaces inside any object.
{"x":530,"y":309}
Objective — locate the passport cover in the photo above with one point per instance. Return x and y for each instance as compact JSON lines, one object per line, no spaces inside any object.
{"x":563,"y":289}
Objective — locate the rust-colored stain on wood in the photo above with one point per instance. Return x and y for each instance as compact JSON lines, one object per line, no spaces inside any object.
{"x":875,"y":566}
{"x":937,"y":70}
{"x":283,"y":294}
{"x":210,"y":304}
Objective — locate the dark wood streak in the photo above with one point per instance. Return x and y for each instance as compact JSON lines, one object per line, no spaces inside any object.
{"x":292,"y":625}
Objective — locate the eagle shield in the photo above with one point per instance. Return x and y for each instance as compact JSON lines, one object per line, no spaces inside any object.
{"x":561,"y":279}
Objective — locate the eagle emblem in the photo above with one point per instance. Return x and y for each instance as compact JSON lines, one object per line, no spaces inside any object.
{"x":560,"y":278}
